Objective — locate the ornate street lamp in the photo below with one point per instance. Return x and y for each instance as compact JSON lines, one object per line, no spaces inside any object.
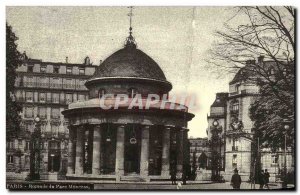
{"x":35,"y":156}
{"x":216,"y":142}
{"x":286,"y":127}
{"x":52,"y":162}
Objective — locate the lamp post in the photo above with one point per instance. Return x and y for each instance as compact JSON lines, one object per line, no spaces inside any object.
{"x":215,"y":143}
{"x":52,"y":162}
{"x":284,"y":182}
{"x":35,"y":156}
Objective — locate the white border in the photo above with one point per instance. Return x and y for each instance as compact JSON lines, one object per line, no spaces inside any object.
{"x":5,"y":3}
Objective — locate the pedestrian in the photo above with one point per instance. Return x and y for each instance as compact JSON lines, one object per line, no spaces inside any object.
{"x":183,"y":178}
{"x":261,"y":179}
{"x":173,"y":176}
{"x":236,"y":179}
{"x":267,"y":178}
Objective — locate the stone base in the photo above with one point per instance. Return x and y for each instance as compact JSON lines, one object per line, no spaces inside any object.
{"x":49,"y":176}
{"x":244,"y":176}
{"x":203,"y":175}
{"x":16,"y":176}
{"x":165,"y":173}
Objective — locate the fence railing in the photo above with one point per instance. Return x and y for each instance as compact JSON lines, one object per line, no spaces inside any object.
{"x":51,"y":85}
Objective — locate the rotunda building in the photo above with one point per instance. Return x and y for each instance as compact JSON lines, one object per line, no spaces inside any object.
{"x":112,"y":138}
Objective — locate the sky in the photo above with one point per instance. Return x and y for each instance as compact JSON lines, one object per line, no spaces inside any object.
{"x":177,"y":38}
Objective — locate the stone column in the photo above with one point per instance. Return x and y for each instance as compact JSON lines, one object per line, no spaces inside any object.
{"x":79,"y":151}
{"x":96,"y":150}
{"x":165,"y":167}
{"x":71,"y":155}
{"x":180,"y":150}
{"x":144,"y":162}
{"x":120,"y":152}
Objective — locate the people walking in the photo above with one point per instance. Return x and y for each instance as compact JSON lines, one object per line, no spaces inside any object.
{"x":236,"y":180}
{"x":183,"y":178}
{"x":173,"y":176}
{"x":267,"y":178}
{"x":261,"y":179}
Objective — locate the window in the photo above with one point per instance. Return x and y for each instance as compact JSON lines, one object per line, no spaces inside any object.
{"x":234,"y":146}
{"x":68,"y":83}
{"x":10,"y":144}
{"x":55,"y":98}
{"x":56,"y":83}
{"x":43,"y":69}
{"x":69,"y":98}
{"x":69,"y":70}
{"x":10,"y":159}
{"x":27,"y":145}
{"x":237,"y":87}
{"x":42,"y":112}
{"x":274,"y":159}
{"x":235,"y":106}
{"x":55,"y":113}
{"x":42,"y":97}
{"x":28,"y":112}
{"x":29,"y":96}
{"x":55,"y":69}
{"x":20,"y":143}
{"x":234,"y":161}
{"x":271,"y":71}
{"x":29,"y":68}
{"x":43,"y":82}
{"x":81,"y":71}
{"x":48,"y":97}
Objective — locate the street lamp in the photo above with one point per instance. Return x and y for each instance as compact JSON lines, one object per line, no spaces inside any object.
{"x":52,"y":161}
{"x":284,"y":182}
{"x":216,"y":142}
{"x":35,"y":149}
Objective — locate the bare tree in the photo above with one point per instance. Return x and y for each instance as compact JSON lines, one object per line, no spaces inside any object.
{"x":266,"y":31}
{"x":262,"y":48}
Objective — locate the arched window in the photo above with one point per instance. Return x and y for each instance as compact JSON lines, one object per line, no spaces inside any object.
{"x":234,"y":106}
{"x":202,"y":160}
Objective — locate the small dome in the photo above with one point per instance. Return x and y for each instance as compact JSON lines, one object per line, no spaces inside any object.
{"x":129,"y":62}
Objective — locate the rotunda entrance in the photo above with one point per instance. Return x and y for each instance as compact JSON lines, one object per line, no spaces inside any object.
{"x":132,"y":150}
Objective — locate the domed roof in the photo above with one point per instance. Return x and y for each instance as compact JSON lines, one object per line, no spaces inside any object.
{"x":129,"y":62}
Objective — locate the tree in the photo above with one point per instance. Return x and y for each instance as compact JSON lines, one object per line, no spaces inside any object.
{"x":13,"y":60}
{"x":266,"y":34}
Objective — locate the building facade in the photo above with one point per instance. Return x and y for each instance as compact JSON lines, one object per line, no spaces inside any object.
{"x":231,"y":116}
{"x":199,"y":152}
{"x":44,"y":90}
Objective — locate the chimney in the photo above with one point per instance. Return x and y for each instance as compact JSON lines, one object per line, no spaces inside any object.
{"x":25,"y":56}
{"x":67,"y":60}
{"x":87,"y":61}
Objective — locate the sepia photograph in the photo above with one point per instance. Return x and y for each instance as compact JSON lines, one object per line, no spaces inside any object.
{"x":144,"y":98}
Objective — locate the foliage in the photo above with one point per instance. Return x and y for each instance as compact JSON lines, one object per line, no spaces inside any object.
{"x":267,"y":34}
{"x":13,"y":60}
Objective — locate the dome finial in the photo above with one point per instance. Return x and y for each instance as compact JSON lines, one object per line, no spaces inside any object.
{"x":130,"y":42}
